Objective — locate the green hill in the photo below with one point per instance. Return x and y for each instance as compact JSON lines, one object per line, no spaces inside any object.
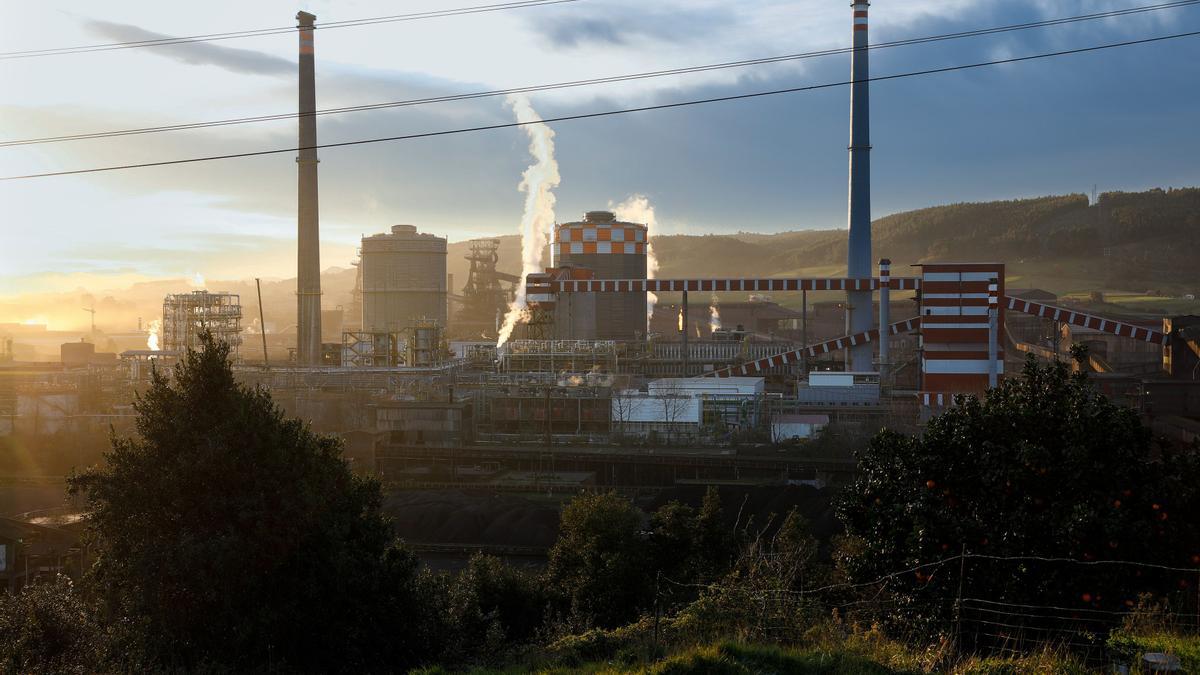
{"x":1131,"y":241}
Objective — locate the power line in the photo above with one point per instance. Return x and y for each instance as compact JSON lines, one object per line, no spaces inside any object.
{"x":212,"y":37}
{"x":598,"y":80}
{"x":608,"y":113}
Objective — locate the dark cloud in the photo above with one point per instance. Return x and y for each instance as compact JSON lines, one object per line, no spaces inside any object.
{"x":623,"y":25}
{"x":572,"y":32}
{"x":198,"y":53}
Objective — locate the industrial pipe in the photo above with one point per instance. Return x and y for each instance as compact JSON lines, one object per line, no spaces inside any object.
{"x":858,"y":261}
{"x":993,"y":330}
{"x":885,"y":299}
{"x":308,"y":239}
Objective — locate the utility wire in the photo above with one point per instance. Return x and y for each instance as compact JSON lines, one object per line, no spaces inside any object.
{"x":211,"y":37}
{"x":598,"y":80}
{"x":609,"y":113}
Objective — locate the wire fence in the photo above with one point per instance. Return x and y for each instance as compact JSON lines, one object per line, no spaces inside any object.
{"x":1002,"y":621}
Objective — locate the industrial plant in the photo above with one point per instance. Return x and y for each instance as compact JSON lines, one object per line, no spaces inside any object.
{"x":612,"y":377}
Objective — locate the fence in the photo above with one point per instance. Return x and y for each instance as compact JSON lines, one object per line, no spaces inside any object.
{"x":1000,"y":624}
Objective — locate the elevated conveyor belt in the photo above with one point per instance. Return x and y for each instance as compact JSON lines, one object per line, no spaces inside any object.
{"x":753,"y":368}
{"x":727,"y":285}
{"x":1083,"y":320}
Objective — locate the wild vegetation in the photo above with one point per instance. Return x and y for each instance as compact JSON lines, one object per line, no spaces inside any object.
{"x":227,"y":538}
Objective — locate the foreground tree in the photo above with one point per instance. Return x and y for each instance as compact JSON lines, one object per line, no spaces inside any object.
{"x":598,"y":565}
{"x":229,"y":536}
{"x":48,"y":628}
{"x":1044,"y":466}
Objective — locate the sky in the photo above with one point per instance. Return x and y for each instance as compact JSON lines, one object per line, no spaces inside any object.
{"x":1121,"y":119}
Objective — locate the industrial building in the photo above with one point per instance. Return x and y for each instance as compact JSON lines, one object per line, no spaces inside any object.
{"x":187,"y":315}
{"x":610,"y":249}
{"x":486,"y":294}
{"x":403,"y":280}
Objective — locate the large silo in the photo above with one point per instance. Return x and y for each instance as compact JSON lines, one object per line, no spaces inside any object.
{"x":611,"y":249}
{"x":403,"y":279}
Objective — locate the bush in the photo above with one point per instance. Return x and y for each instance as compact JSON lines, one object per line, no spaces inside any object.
{"x":48,"y":628}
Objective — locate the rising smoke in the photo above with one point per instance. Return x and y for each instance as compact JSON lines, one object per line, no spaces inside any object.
{"x":637,"y":209}
{"x":155,"y":330}
{"x":714,"y":314}
{"x":537,"y":183}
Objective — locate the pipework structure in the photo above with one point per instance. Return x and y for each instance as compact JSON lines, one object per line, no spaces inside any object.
{"x":187,"y":315}
{"x":308,"y":253}
{"x":858,"y":262}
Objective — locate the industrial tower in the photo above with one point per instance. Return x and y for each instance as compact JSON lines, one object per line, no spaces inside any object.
{"x":859,"y":264}
{"x":308,"y":258}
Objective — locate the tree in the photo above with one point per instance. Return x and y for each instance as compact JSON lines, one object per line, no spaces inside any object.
{"x":494,"y":605}
{"x":1044,"y":466}
{"x":674,"y":403}
{"x":48,"y":628}
{"x":598,"y":564}
{"x":716,"y":544}
{"x":228,"y":536}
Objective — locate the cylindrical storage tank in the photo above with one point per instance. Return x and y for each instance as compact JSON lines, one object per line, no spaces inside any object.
{"x":611,"y":249}
{"x":403,"y":280}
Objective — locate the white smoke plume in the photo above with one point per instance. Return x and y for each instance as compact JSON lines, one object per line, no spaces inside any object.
{"x":714,"y":314}
{"x":155,"y":330}
{"x":538,"y":182}
{"x":637,"y":209}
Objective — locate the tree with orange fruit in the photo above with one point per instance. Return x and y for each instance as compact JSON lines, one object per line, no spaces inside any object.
{"x":1042,"y":466}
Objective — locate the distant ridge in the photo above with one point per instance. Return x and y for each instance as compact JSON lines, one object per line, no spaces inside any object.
{"x":1150,"y":237}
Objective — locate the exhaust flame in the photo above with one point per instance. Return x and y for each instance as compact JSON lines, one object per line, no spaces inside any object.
{"x":155,"y":330}
{"x":714,"y":314}
{"x":537,"y":183}
{"x":637,"y":209}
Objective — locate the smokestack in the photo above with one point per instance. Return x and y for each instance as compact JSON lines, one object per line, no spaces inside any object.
{"x":859,"y":252}
{"x":308,"y":258}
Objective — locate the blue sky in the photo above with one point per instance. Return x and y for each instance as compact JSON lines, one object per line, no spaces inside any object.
{"x":1123,"y":119}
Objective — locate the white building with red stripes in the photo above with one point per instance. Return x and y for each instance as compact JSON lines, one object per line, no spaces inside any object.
{"x":956,"y":299}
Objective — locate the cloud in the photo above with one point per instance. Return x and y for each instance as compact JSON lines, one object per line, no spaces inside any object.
{"x":244,"y":61}
{"x":625,"y":25}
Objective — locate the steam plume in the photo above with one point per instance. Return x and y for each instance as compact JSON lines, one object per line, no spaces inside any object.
{"x":637,"y":209}
{"x":714,"y":314}
{"x":537,"y":183}
{"x":155,"y":330}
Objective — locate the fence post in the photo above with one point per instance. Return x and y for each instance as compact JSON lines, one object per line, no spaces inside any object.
{"x":962,"y":567}
{"x":657,"y":577}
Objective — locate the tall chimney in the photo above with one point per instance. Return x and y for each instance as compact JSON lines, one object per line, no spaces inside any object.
{"x":859,"y":251}
{"x":308,"y":258}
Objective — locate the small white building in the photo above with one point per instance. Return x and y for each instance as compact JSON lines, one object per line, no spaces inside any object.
{"x":839,"y":388}
{"x":674,"y":407}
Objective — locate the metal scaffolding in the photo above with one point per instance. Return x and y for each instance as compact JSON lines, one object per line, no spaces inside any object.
{"x":187,"y":315}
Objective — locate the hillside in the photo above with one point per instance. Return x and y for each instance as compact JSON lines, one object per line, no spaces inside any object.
{"x":1130,"y":242}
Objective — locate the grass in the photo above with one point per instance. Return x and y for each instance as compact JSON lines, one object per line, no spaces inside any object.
{"x":724,"y":658}
{"x":1185,"y":648}
{"x":735,"y":658}
{"x":861,"y":653}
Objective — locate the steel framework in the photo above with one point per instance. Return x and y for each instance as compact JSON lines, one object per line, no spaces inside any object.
{"x":187,"y":315}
